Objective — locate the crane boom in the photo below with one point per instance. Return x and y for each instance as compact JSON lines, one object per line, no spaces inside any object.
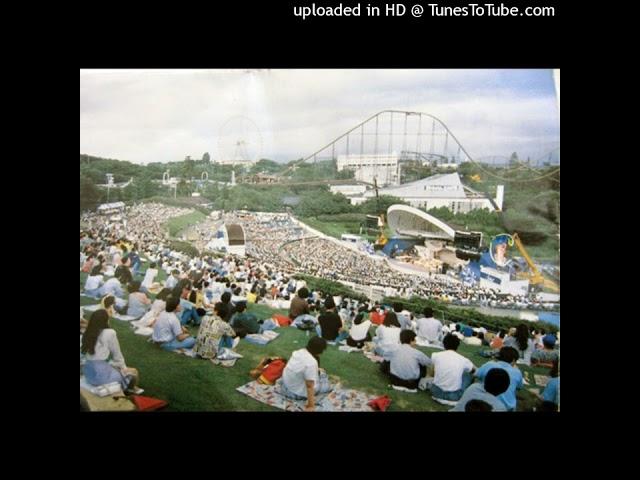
{"x":536,"y":277}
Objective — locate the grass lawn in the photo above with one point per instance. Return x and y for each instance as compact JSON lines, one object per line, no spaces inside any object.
{"x":177,"y":224}
{"x":190,"y":384}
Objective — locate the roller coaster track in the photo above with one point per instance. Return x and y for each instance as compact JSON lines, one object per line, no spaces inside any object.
{"x":436,"y":150}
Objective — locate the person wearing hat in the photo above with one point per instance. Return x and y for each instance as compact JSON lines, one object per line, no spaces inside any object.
{"x":547,"y":355}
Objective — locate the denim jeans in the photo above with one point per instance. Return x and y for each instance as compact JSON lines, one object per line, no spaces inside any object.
{"x":341,"y":336}
{"x":437,"y":392}
{"x":190,"y":314}
{"x":323,"y":386}
{"x":174,"y":344}
{"x":225,"y":342}
{"x":95,"y":293}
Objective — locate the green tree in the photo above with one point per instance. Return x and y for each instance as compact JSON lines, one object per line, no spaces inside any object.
{"x":374,"y":206}
{"x":206,"y":158}
{"x":89,"y":194}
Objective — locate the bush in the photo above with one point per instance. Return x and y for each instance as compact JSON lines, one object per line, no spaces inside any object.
{"x":330,"y":287}
{"x":184,"y":247}
{"x":465,"y":315}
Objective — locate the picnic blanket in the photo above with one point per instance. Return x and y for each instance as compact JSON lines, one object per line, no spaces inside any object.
{"x":144,"y":331}
{"x":541,"y":380}
{"x":373,"y":357}
{"x":423,"y":342}
{"x":348,"y":349}
{"x":124,"y":318}
{"x":262,"y":338}
{"x":339,"y":400}
{"x":101,"y":390}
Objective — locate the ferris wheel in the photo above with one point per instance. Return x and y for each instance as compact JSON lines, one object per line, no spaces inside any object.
{"x":239,"y":141}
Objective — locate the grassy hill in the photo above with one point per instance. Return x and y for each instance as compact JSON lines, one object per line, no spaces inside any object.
{"x":190,"y":384}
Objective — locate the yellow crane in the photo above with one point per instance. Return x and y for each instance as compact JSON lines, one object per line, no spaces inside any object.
{"x":535,"y":277}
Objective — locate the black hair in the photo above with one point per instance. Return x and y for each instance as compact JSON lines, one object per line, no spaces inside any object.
{"x":476,"y":405}
{"x":241,"y":307}
{"x":95,"y":270}
{"x":225,"y":297}
{"x":109,"y":301}
{"x":163,"y":294}
{"x":407,"y":336}
{"x":497,"y":381}
{"x":237,"y":291}
{"x":397,"y":307}
{"x":428,"y":312}
{"x":316,"y":346}
{"x":134,"y":286}
{"x":391,"y":319}
{"x":152,"y":265}
{"x":508,"y":354}
{"x":522,"y":336}
{"x":303,"y":292}
{"x":98,"y":321}
{"x":451,"y":342}
{"x":329,"y":303}
{"x":172,"y":303}
{"x":358,"y":319}
{"x":222,"y":309}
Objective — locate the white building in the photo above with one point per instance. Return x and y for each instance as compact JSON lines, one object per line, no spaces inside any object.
{"x":443,"y":190}
{"x":348,"y":190}
{"x":384,"y":168}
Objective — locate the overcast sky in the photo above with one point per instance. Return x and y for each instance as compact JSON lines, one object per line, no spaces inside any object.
{"x":160,"y":115}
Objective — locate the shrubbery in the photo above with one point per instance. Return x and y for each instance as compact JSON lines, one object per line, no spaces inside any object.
{"x":330,"y":287}
{"x":465,"y":315}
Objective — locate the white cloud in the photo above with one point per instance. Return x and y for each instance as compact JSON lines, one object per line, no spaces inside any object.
{"x":145,"y":116}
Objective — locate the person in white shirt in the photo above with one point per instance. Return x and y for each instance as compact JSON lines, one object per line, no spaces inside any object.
{"x":172,"y":280}
{"x":93,"y":283}
{"x":167,"y":330}
{"x":302,"y":378}
{"x":475,"y":339}
{"x":387,"y":336}
{"x":99,"y":344}
{"x":452,"y":371}
{"x":113,"y":287}
{"x":149,"y":276}
{"x":359,"y":332}
{"x":429,"y":328}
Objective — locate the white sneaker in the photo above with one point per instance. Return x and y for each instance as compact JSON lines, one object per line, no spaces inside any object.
{"x":236,"y":341}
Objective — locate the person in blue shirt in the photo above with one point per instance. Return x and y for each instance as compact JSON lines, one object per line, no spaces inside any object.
{"x":506,"y":360}
{"x":551,"y":393}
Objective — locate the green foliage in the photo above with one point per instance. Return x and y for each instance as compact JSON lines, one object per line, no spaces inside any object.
{"x":318,"y":202}
{"x":330,"y":287}
{"x":184,"y":247}
{"x":90,"y":196}
{"x":465,"y":315}
{"x":177,"y":224}
{"x":376,"y":206}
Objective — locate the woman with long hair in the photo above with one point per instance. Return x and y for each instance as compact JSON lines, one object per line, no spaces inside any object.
{"x":99,"y":345}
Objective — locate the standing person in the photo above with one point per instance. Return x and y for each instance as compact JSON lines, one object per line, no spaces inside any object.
{"x":167,"y":330}
{"x":522,"y":342}
{"x":303,"y":378}
{"x":99,"y":345}
{"x":452,"y":371}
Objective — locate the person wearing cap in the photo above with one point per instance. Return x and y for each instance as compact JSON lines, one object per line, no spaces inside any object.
{"x":547,"y":355}
{"x":302,"y":378}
